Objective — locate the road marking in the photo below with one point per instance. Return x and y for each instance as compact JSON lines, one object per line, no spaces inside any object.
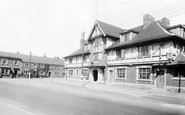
{"x":15,"y":107}
{"x":176,"y":106}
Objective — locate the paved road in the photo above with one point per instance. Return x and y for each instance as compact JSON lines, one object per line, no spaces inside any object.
{"x":43,"y":98}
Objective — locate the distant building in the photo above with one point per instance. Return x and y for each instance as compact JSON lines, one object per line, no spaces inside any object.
{"x":20,"y":65}
{"x":42,"y":66}
{"x":10,"y":64}
{"x":151,"y":54}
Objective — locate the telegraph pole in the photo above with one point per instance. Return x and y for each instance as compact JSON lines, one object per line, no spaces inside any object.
{"x":30,"y":66}
{"x":83,"y":35}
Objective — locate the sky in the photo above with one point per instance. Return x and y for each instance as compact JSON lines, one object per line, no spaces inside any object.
{"x":53,"y":27}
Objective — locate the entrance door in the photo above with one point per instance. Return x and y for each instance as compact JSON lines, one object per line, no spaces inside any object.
{"x":95,"y":75}
{"x":160,"y":79}
{"x":111,"y":75}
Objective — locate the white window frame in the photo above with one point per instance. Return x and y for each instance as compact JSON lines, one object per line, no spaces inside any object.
{"x":116,"y":76}
{"x":150,"y":74}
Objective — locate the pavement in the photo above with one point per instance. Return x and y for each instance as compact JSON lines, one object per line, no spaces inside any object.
{"x":127,"y":89}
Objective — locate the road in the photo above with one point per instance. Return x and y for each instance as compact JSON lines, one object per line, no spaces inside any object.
{"x":40,"y":97}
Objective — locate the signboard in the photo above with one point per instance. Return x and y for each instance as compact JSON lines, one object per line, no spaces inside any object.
{"x":85,"y":72}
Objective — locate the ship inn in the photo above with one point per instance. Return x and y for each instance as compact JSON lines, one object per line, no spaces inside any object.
{"x":151,"y":55}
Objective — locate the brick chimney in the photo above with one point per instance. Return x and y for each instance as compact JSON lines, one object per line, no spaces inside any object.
{"x":147,"y":19}
{"x":81,"y":43}
{"x":165,"y":22}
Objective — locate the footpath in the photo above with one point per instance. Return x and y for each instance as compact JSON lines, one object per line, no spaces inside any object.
{"x":126,"y":89}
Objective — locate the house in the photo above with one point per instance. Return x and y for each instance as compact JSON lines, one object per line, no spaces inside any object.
{"x":10,"y":64}
{"x":152,"y":55}
{"x":101,"y":37}
{"x":42,"y":66}
{"x":20,"y":65}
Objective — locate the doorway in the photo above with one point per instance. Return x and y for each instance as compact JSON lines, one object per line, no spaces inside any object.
{"x":95,"y":75}
{"x":160,"y":79}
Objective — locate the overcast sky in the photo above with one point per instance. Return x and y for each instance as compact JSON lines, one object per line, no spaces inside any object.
{"x":54,"y":27}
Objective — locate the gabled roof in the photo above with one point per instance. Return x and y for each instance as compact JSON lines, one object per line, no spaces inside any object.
{"x":152,"y":32}
{"x":42,"y":60}
{"x":107,"y":29}
{"x":78,"y":52}
{"x":10,"y":55}
{"x":180,"y":59}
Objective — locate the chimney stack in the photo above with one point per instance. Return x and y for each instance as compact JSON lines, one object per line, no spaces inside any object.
{"x":165,"y":22}
{"x":82,"y":42}
{"x":147,"y":19}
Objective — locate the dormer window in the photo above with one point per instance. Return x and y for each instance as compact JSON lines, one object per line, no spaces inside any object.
{"x":179,"y":30}
{"x":127,"y":35}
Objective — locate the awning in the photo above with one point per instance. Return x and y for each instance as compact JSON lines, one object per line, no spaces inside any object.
{"x":179,"y":60}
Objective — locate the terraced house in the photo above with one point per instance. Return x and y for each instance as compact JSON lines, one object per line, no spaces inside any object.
{"x":42,"y":66}
{"x":16,"y":65}
{"x":151,"y":54}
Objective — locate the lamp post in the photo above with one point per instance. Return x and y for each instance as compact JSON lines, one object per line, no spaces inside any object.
{"x":179,"y":89}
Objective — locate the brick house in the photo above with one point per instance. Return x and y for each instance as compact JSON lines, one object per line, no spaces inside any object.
{"x":10,"y":64}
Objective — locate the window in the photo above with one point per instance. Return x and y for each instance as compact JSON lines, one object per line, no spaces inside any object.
{"x":56,"y":73}
{"x":42,"y":66}
{"x":5,"y":61}
{"x":70,"y":72}
{"x":34,"y":65}
{"x":16,"y":62}
{"x":121,"y":73}
{"x":177,"y":72}
{"x":127,"y":37}
{"x":144,"y":51}
{"x":27,"y":65}
{"x":41,"y":73}
{"x":5,"y":71}
{"x":122,"y":53}
{"x":70,"y":60}
{"x":118,"y":53}
{"x":97,"y":56}
{"x":144,"y":73}
{"x":98,"y":45}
